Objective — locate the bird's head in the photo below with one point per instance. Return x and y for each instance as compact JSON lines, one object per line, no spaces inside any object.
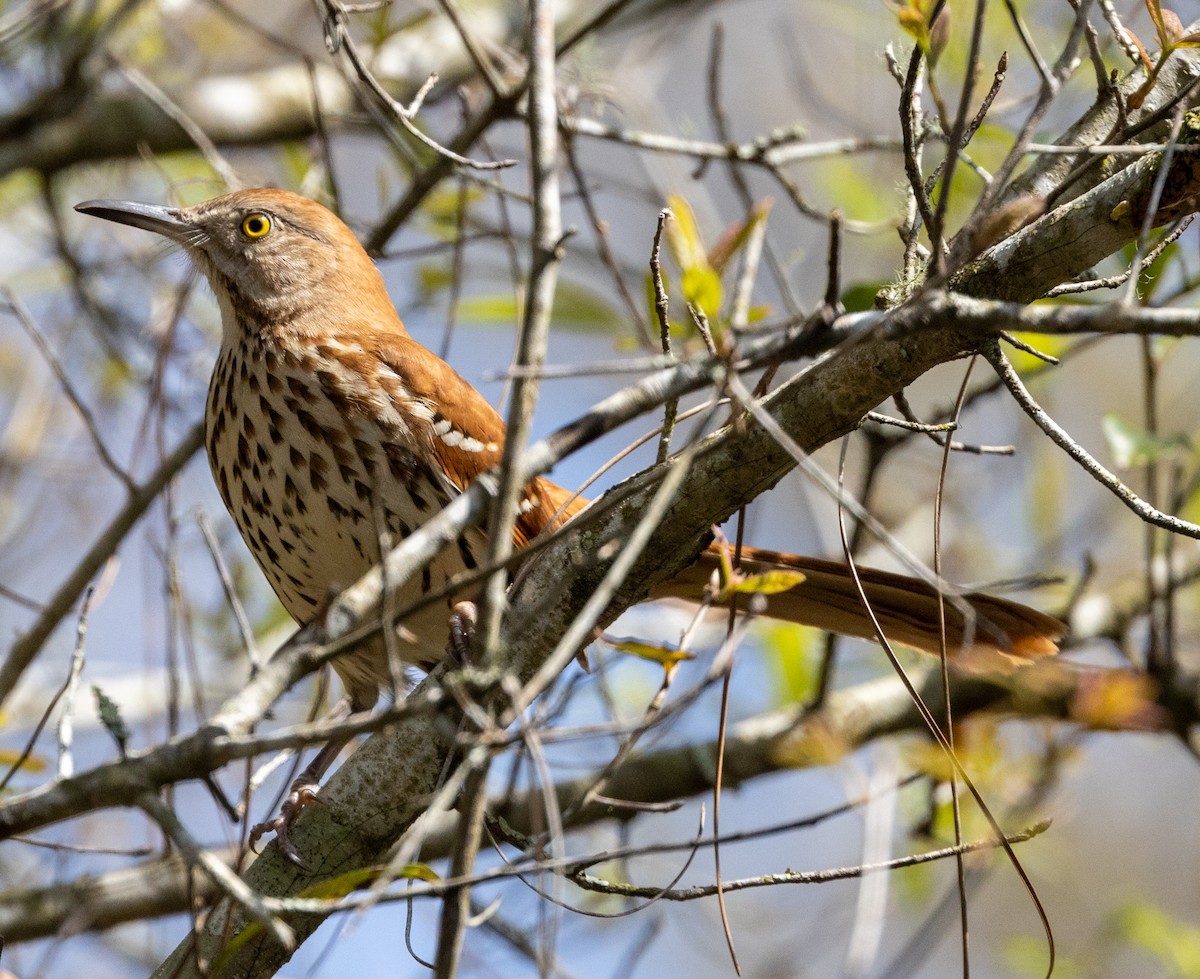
{"x":269,"y":254}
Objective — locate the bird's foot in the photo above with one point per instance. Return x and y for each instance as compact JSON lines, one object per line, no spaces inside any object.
{"x":463,"y":618}
{"x":302,"y":795}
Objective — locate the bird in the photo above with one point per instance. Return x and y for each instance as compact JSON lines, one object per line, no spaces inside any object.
{"x":330,"y":430}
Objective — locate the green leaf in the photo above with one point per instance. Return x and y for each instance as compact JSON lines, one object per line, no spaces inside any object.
{"x":440,"y":209}
{"x":793,"y":654}
{"x":1026,"y":956}
{"x":1175,"y":943}
{"x":298,"y":160}
{"x":860,"y":297}
{"x":1131,"y":446}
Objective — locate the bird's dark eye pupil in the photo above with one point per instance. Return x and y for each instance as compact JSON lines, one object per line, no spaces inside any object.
{"x":255,"y":225}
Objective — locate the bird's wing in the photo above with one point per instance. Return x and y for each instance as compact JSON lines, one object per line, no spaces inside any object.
{"x":461,"y":430}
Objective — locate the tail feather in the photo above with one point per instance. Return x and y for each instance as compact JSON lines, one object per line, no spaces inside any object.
{"x":999,"y":633}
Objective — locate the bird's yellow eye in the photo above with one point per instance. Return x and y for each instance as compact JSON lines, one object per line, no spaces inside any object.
{"x":256,"y":225}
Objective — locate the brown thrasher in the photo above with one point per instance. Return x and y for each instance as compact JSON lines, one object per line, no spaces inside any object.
{"x":324,"y":417}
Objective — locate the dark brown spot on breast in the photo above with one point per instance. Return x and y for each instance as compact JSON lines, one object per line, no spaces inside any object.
{"x":274,"y":420}
{"x":223,"y":486}
{"x":341,"y":452}
{"x":310,"y":424}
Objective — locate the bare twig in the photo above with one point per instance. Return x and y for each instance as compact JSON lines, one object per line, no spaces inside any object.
{"x":22,"y":315}
{"x":1091,"y":466}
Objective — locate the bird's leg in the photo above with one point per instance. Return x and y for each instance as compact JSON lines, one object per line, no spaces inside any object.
{"x":303,"y":792}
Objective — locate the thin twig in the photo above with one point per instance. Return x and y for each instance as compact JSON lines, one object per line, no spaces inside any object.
{"x":171,"y":109}
{"x":662,"y":312}
{"x":224,"y":878}
{"x":546,"y":253}
{"x":66,"y":729}
{"x":1091,"y":466}
{"x":337,"y":38}
{"x":231,"y":595}
{"x":22,"y":315}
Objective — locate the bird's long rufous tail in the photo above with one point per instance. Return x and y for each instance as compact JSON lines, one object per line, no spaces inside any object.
{"x":1001,"y":633}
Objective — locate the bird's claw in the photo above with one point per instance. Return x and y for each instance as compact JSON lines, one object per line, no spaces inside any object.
{"x":303,"y":794}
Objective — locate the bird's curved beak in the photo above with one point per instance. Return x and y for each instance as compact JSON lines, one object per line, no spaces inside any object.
{"x":165,"y":221}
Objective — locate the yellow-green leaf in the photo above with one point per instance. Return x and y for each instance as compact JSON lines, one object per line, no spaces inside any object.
{"x":655,"y":652}
{"x":576,"y":307}
{"x":767,"y":583}
{"x":1174,"y":942}
{"x":342,"y":884}
{"x":1052,"y":346}
{"x":792,"y":654}
{"x":683,"y":235}
{"x":913,"y":23}
{"x":702,"y":288}
{"x":418,"y":871}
